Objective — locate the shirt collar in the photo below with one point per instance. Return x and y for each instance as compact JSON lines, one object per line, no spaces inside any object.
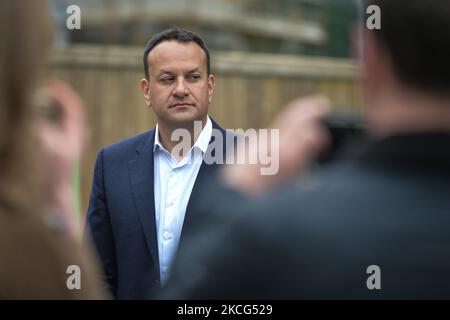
{"x":202,"y":142}
{"x":205,"y":136}
{"x":157,"y":143}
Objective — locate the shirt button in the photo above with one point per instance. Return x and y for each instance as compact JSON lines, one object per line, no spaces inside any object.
{"x":171,"y":202}
{"x":168,"y":235}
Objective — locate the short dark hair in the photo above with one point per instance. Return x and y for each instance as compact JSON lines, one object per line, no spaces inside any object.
{"x":177,"y":34}
{"x":416,"y":36}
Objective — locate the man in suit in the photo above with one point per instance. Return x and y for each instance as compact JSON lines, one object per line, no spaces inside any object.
{"x":373,"y":226}
{"x":144,"y":187}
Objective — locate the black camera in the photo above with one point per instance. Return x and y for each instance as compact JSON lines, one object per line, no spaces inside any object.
{"x":347,"y":133}
{"x":47,"y":107}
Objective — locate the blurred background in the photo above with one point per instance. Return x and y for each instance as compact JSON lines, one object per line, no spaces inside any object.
{"x":264,"y":53}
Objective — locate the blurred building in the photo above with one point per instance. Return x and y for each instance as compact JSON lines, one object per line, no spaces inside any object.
{"x":282,"y":26}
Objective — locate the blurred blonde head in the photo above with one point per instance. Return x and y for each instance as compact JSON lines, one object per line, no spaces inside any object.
{"x":25,"y":34}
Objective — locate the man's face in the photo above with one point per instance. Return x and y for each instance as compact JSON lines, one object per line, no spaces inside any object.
{"x":179,"y":89}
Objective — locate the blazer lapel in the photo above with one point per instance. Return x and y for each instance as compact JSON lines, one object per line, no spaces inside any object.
{"x":206,"y":171}
{"x":141,"y":177}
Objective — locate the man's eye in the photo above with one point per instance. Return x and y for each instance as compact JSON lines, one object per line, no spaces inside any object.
{"x":194,"y":77}
{"x":166,"y":80}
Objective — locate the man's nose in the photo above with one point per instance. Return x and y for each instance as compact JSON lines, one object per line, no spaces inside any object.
{"x":180,"y":90}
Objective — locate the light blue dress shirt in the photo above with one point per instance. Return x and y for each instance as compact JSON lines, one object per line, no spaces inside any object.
{"x":173,"y":185}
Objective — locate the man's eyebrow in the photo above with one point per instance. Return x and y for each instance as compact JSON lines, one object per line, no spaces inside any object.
{"x":193,"y":70}
{"x":161,"y":72}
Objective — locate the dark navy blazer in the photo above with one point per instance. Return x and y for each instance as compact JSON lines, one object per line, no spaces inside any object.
{"x":121,"y":215}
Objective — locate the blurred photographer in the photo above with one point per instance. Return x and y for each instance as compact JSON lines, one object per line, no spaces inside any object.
{"x":373,"y":227}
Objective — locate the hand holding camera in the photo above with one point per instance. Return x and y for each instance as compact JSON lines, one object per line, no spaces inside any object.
{"x":301,"y":139}
{"x":60,"y":131}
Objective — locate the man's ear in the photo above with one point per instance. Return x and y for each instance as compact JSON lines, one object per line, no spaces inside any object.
{"x":372,"y":63}
{"x":145,"y":88}
{"x":211,"y":87}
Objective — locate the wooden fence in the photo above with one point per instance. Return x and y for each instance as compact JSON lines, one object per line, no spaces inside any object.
{"x":251,"y":89}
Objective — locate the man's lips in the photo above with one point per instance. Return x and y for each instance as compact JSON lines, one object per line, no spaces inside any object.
{"x":181,"y":104}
